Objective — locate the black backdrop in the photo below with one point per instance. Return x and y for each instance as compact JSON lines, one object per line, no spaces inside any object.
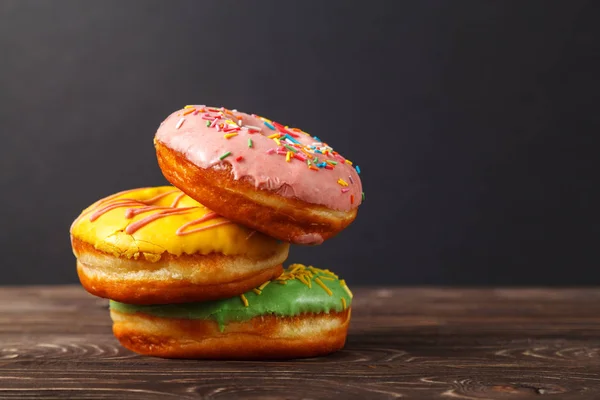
{"x":475,"y":123}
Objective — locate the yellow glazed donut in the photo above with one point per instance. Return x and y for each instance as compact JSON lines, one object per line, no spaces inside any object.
{"x":159,"y":246}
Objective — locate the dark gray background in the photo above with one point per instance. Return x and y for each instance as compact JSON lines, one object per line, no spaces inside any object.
{"x":475,"y":123}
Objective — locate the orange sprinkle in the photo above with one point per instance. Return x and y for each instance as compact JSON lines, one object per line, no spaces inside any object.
{"x":327,"y":278}
{"x":313,"y":168}
{"x":306,"y":152}
{"x":346,"y":288}
{"x":189,"y":111}
{"x":325,"y":288}
{"x":351,"y":199}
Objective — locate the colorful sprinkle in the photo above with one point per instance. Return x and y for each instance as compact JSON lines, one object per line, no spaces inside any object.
{"x":290,"y":148}
{"x":230,"y":128}
{"x":351,"y":199}
{"x":278,"y":126}
{"x":189,"y":110}
{"x":225,"y":155}
{"x":230,"y":135}
{"x":348,"y":162}
{"x":363,"y":196}
{"x":208,"y":124}
{"x":273,"y":136}
{"x":342,"y":182}
{"x":271,"y":127}
{"x":244,"y":300}
{"x":288,"y":156}
{"x":263,"y":286}
{"x":345,"y":190}
{"x":351,"y":180}
{"x":357,"y":168}
{"x":327,"y":278}
{"x":317,"y":139}
{"x":179,"y":123}
{"x":249,"y":142}
{"x":287,"y":136}
{"x":239,"y":158}
{"x":346,"y":288}
{"x":271,"y":151}
{"x":258,"y":292}
{"x":325,"y":288}
{"x":343,"y":303}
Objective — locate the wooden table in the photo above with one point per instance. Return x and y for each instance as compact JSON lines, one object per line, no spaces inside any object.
{"x":411,"y":343}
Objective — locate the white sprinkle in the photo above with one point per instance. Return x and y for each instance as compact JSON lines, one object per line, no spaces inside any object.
{"x":179,"y":123}
{"x":254,"y":128}
{"x":351,"y":180}
{"x":239,"y":122}
{"x":234,"y":110}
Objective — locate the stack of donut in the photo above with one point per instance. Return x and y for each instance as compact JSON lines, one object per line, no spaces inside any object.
{"x":194,"y":270}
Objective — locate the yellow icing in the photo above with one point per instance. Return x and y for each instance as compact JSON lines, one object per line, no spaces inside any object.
{"x":107,"y":232}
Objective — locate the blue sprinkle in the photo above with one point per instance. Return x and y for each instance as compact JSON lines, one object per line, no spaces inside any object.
{"x":318,"y":151}
{"x":291,"y":138}
{"x":317,"y":139}
{"x":269,"y":125}
{"x":357,"y":169}
{"x":321,"y":164}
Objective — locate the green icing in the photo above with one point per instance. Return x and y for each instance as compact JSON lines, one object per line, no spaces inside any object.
{"x":292,"y":298}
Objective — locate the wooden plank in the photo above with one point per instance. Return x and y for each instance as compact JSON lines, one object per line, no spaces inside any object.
{"x":56,"y":342}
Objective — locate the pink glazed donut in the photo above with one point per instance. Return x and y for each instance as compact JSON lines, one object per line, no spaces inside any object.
{"x":278,"y":180}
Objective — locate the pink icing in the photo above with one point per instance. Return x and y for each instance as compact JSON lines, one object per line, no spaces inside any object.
{"x":264,"y":162}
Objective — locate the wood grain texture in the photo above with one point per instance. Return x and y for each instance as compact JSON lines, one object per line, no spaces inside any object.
{"x":56,"y":342}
